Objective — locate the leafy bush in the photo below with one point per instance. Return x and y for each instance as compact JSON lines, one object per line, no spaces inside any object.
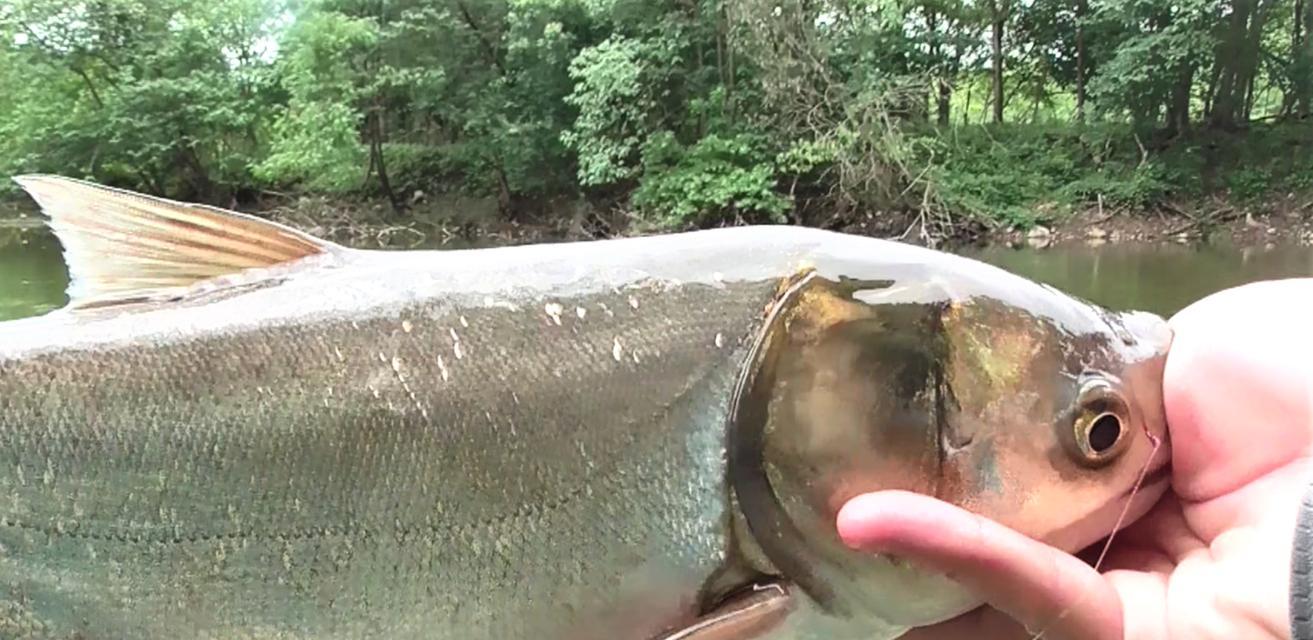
{"x":1248,"y":183}
{"x":1021,"y":175}
{"x":1301,"y":176}
{"x":718,"y":177}
{"x":1140,"y":185}
{"x":315,"y":143}
{"x":616,"y":92}
{"x":417,"y":166}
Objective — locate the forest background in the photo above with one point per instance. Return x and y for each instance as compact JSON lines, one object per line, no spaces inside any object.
{"x":923,"y":119}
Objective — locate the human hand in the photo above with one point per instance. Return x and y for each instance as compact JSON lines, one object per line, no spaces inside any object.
{"x":1212,"y":558}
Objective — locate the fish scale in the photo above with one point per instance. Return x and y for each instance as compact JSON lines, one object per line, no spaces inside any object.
{"x":308,"y":471}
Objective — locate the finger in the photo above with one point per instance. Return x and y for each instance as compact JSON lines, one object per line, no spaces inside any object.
{"x":1240,"y":372}
{"x":1042,"y":588}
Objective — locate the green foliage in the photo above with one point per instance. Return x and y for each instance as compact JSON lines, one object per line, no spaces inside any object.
{"x":695,"y":112}
{"x":1155,"y":43}
{"x":159,"y":94}
{"x":1266,"y":159}
{"x":316,"y":140}
{"x":715,"y":179}
{"x":1024,"y":175}
{"x":1247,"y":183}
{"x":1124,"y":183}
{"x":316,"y":143}
{"x":618,"y":83}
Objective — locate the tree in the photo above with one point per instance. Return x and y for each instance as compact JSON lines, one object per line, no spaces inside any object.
{"x":998,"y":15}
{"x":674,"y":112}
{"x":165,"y":94}
{"x":1237,"y":62}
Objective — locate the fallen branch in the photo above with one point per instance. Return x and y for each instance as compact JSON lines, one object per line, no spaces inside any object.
{"x":1102,"y":218}
{"x":1221,"y":215}
{"x":1175,"y":209}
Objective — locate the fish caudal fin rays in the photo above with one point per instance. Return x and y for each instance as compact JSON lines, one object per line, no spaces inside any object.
{"x":124,"y":247}
{"x":744,"y":617}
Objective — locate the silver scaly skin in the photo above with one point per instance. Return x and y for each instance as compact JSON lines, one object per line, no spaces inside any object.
{"x":529,"y":442}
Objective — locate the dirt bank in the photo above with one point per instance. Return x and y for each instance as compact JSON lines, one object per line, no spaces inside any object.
{"x":474,"y":222}
{"x":1286,"y":222}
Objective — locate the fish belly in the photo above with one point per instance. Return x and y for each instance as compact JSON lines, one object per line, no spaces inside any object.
{"x":471,"y":467}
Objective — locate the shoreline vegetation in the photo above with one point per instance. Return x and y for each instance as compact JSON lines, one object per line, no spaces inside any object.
{"x":468,"y":122}
{"x":459,"y":224}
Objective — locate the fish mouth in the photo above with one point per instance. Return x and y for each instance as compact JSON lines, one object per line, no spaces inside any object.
{"x":1159,"y":474}
{"x":1141,"y":497}
{"x":1118,"y":512}
{"x":1135,"y":502}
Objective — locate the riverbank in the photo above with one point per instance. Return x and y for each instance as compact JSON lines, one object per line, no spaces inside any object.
{"x":1288,"y":221}
{"x":458,"y":222}
{"x":1252,"y":224}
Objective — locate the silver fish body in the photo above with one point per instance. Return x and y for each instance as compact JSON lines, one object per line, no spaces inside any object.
{"x":456,"y":461}
{"x":513,"y":443}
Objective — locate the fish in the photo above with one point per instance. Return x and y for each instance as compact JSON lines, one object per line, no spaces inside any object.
{"x":235,"y":429}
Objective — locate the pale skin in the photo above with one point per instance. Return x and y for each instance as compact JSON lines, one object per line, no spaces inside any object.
{"x":1212,"y":559}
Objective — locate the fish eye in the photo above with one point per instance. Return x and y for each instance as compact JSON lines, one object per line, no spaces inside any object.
{"x":1104,"y":432}
{"x":1100,"y":430}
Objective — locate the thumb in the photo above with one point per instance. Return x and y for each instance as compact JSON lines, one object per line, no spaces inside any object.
{"x":1037,"y":585}
{"x":1240,"y":372}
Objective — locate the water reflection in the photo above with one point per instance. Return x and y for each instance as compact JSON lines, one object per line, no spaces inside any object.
{"x":32,"y":273}
{"x":1162,"y":279}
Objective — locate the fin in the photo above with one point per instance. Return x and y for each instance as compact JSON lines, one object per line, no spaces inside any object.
{"x":749,"y":615}
{"x":127,"y":247}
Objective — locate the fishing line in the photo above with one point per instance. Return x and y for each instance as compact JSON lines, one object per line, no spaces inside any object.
{"x":1107,"y":545}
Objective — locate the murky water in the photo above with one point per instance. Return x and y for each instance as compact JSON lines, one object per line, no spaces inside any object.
{"x":32,"y":273}
{"x":1160,"y":279}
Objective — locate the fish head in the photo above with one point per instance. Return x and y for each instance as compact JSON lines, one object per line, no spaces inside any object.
{"x":1008,"y":398}
{"x":1053,"y":427}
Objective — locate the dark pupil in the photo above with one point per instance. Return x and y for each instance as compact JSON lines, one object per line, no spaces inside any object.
{"x":1104,"y":432}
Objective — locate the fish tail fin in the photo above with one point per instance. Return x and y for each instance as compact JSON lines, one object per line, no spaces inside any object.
{"x":121,"y":246}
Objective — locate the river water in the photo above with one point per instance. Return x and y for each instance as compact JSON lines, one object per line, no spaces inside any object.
{"x":1162,"y":279}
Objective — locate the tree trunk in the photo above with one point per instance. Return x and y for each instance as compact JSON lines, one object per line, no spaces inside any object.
{"x":966,"y":106}
{"x":1305,"y":75}
{"x":996,"y":45}
{"x":699,"y":64}
{"x":95,"y":95}
{"x":1082,"y":7}
{"x":1251,"y":52}
{"x":1211,"y":92}
{"x":945,"y":102}
{"x":194,"y":171}
{"x":937,"y":69}
{"x":729,"y":73}
{"x":1299,"y":78}
{"x":1297,"y":29}
{"x":376,"y":157}
{"x":1248,"y":109}
{"x":505,"y":202}
{"x":377,"y":129}
{"x":1231,"y":83}
{"x":1178,"y":108}
{"x":489,"y":49}
{"x":940,"y":88}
